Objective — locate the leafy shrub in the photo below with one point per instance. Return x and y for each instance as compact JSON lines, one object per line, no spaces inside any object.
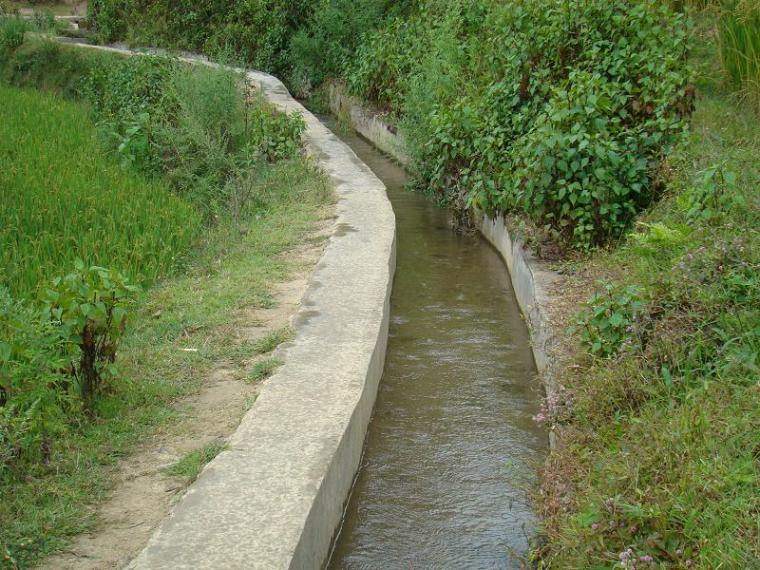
{"x":610,"y":320}
{"x":561,"y":110}
{"x":386,"y":60}
{"x":271,"y":134}
{"x":89,"y":308}
{"x":257,"y":31}
{"x":126,"y":87}
{"x":56,"y":358}
{"x":214,"y":132}
{"x":108,"y":18}
{"x":323,"y":47}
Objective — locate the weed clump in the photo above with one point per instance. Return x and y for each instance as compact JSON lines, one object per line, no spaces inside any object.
{"x":12,"y":30}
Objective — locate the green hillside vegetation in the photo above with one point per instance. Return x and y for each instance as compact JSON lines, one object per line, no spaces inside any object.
{"x":660,"y":419}
{"x":132,"y":189}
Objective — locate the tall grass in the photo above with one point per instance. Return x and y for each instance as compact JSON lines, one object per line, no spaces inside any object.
{"x":62,"y":198}
{"x":12,"y":30}
{"x":739,"y":35}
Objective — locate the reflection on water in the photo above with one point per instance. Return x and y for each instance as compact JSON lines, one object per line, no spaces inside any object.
{"x":451,"y":447}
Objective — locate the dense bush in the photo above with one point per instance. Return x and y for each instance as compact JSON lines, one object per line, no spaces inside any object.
{"x":258,"y":31}
{"x":326,"y":44}
{"x":561,"y":110}
{"x":56,"y":356}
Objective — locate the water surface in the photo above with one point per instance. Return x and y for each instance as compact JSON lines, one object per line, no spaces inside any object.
{"x":451,"y":447}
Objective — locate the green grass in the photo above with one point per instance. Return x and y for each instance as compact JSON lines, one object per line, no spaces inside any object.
{"x":62,"y":198}
{"x":200,"y":310}
{"x":190,"y":466}
{"x":660,"y":452}
{"x":272,"y":340}
{"x":264,"y":369}
{"x":739,"y":37}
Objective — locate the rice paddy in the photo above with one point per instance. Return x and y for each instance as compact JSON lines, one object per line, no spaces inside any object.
{"x":63,"y":198}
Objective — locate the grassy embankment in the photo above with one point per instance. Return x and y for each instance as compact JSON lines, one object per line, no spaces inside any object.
{"x":660,"y":466}
{"x":206,"y":244}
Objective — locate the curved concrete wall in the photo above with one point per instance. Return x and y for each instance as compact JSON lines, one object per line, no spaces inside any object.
{"x":274,"y":498}
{"x":370,"y":124}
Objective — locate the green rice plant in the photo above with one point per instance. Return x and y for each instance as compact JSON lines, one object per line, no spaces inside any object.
{"x":739,"y":41}
{"x":34,"y":398}
{"x":62,"y":199}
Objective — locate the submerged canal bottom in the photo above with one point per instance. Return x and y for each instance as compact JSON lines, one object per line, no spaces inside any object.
{"x":452,"y":447}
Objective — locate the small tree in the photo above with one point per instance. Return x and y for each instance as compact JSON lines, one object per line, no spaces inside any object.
{"x":89,"y":308}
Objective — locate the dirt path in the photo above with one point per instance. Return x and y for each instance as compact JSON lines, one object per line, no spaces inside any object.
{"x":143,"y":493}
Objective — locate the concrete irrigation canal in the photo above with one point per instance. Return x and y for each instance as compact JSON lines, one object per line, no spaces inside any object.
{"x":451,"y":444}
{"x":428,"y":394}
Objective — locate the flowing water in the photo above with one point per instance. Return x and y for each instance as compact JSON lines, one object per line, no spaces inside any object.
{"x":451,"y":447}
